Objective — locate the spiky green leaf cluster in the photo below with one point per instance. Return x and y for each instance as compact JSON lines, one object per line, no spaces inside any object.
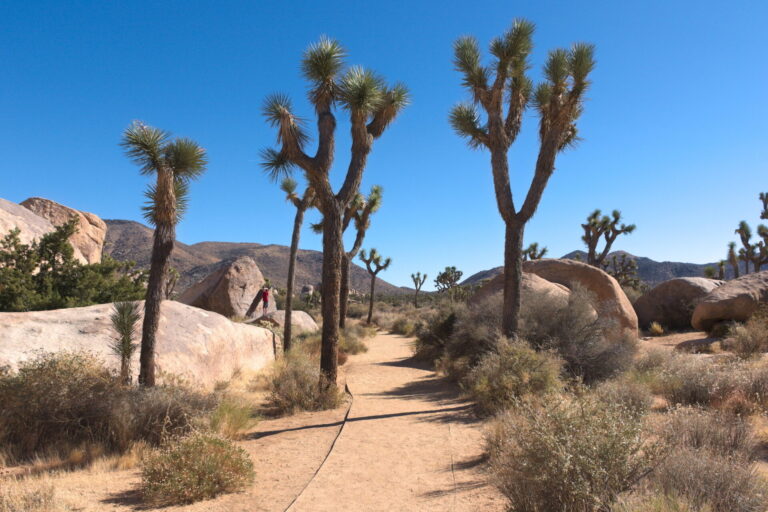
{"x":465,"y":121}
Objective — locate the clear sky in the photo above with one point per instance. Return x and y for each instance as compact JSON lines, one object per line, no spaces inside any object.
{"x":674,"y":131}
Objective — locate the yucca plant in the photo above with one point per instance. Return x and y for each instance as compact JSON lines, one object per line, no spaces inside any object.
{"x":372,"y":106}
{"x":374,"y":264}
{"x":418,"y":282}
{"x":532,"y":252}
{"x":733,"y":258}
{"x":504,"y":91}
{"x":600,"y":226}
{"x":125,"y":318}
{"x":173,"y":162}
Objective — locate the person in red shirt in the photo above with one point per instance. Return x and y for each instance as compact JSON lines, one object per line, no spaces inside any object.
{"x":265,"y":298}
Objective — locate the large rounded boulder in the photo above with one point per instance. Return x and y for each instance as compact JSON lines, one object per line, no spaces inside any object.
{"x":229,"y":290}
{"x":672,"y":302}
{"x":200,"y":346}
{"x":612,"y":303}
{"x":88,"y":240}
{"x":736,"y":300}
{"x":31,"y":226}
{"x":531,"y":284}
{"x":301,"y":322}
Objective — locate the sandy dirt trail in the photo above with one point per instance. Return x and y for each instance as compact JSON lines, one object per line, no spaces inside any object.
{"x":410,"y":442}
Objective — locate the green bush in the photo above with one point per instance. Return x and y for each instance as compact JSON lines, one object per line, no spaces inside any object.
{"x":231,"y":417}
{"x":750,"y":339}
{"x":404,"y":326}
{"x":194,"y":468}
{"x":511,"y":371}
{"x":573,"y":453}
{"x":57,"y":401}
{"x":433,"y":335}
{"x":634,"y":396}
{"x":294,"y":386}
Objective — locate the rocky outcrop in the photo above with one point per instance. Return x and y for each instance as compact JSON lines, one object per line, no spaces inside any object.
{"x":736,"y":300}
{"x":229,"y":290}
{"x":611,"y":302}
{"x":672,"y":302}
{"x":300,"y":321}
{"x":531,"y":284}
{"x":30,"y":225}
{"x":200,"y":346}
{"x":88,"y":241}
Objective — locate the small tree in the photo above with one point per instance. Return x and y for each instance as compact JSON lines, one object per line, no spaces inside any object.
{"x":372,"y":107}
{"x":733,"y":258}
{"x":721,"y":270}
{"x":374,"y":265}
{"x":448,"y":280}
{"x":764,"y":200}
{"x":532,"y":252}
{"x":125,"y":318}
{"x":624,"y":270}
{"x":502,"y":86}
{"x":171,"y":280}
{"x":418,"y":282}
{"x":302,"y":203}
{"x":747,"y":251}
{"x":710,"y":272}
{"x":174,"y":163}
{"x":600,"y":226}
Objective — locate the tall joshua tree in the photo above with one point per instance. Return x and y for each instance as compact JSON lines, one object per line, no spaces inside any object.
{"x":418,"y":282}
{"x":302,"y":203}
{"x":532,"y":252}
{"x":747,"y":252}
{"x":733,"y":258}
{"x":448,"y":280}
{"x":174,"y":163}
{"x":372,"y":106}
{"x":503,"y":91}
{"x":360,"y":212}
{"x":601,"y":226}
{"x":374,"y":265}
{"x":764,"y":199}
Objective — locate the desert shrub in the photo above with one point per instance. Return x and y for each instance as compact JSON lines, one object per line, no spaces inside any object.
{"x":509,"y":372}
{"x":57,"y":401}
{"x":725,"y":484}
{"x":357,"y":310}
{"x":294,"y":386}
{"x":750,"y":339}
{"x":403,"y":326}
{"x":660,"y":503}
{"x":591,"y":349}
{"x":231,"y":417}
{"x":687,"y":380}
{"x":634,"y":396}
{"x":655,"y":329}
{"x":574,"y":453}
{"x":194,"y":468}
{"x":475,"y":333}
{"x":433,"y":334}
{"x":651,"y":361}
{"x":352,"y":338}
{"x":716,"y":432}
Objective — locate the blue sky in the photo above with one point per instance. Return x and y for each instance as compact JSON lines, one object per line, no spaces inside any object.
{"x":674,"y":130}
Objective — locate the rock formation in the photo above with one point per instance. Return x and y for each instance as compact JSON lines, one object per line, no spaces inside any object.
{"x":671,"y":303}
{"x":736,"y":300}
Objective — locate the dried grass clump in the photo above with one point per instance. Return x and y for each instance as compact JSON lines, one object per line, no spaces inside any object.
{"x":294,"y":386}
{"x":655,"y":329}
{"x":29,"y":495}
{"x":194,"y":468}
{"x":750,"y":339}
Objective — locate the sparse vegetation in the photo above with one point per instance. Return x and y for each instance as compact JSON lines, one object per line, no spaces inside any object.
{"x":293,"y":386}
{"x":418,"y":282}
{"x":655,"y":329}
{"x":125,"y":317}
{"x":374,"y":264}
{"x":194,"y":468}
{"x":750,"y":339}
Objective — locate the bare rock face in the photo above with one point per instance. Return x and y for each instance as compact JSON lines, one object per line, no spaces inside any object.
{"x":531,"y":284}
{"x":736,"y":300}
{"x":88,"y":241}
{"x":612,"y":302}
{"x":229,"y":290}
{"x":200,"y":346}
{"x":672,"y":302}
{"x":300,"y":321}
{"x":14,"y":216}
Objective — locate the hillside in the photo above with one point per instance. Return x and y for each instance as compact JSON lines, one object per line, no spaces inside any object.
{"x":650,"y":271}
{"x":129,"y":240}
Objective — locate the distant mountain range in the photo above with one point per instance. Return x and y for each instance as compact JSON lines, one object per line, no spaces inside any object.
{"x":131,"y":241}
{"x":650,"y":271}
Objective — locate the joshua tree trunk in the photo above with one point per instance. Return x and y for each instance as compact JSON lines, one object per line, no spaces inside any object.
{"x":331,"y":287}
{"x":370,"y":302}
{"x":513,"y":277}
{"x":297,"y":222}
{"x":416,"y":298}
{"x":125,"y":371}
{"x":344,"y":290}
{"x":161,"y":251}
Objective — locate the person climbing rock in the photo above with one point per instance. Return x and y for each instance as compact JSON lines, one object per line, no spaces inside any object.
{"x":265,"y":298}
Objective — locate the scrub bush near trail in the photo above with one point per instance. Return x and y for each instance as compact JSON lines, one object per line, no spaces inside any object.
{"x":294,"y":386}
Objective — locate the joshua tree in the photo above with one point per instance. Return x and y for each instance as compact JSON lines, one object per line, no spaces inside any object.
{"x":748,"y":250}
{"x":288,"y":185}
{"x":601,"y":226}
{"x":721,"y":270}
{"x":171,"y":280}
{"x":448,"y":280}
{"x":374,"y":264}
{"x":624,"y":270}
{"x":761,"y":248}
{"x":418,"y":282}
{"x":733,"y":258}
{"x":504,"y":86}
{"x":125,"y":317}
{"x":360,"y":211}
{"x":372,"y":106}
{"x":174,"y":163}
{"x":764,"y":200}
{"x":532,"y":252}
